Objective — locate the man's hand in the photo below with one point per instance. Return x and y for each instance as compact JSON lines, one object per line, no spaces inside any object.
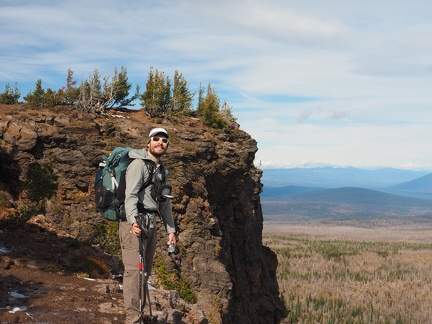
{"x":172,"y":238}
{"x":136,"y":229}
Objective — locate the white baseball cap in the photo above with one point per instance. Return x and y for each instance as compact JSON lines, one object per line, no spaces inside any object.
{"x":158,"y":130}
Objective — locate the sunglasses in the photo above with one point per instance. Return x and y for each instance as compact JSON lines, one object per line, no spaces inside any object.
{"x":157,"y":139}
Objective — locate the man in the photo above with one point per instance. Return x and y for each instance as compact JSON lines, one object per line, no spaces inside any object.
{"x":143,"y":203}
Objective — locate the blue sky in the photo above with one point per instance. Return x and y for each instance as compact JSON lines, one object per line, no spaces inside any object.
{"x":346,"y":83}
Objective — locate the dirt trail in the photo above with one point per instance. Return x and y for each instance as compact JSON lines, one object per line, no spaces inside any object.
{"x":40,"y":279}
{"x":29,"y":295}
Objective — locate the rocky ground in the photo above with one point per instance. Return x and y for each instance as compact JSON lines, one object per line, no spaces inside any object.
{"x":43,"y":280}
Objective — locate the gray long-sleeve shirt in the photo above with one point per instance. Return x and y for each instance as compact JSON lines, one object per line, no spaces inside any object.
{"x":136,"y":174}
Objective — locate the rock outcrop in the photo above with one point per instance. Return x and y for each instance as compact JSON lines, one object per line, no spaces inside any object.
{"x":216,"y":187}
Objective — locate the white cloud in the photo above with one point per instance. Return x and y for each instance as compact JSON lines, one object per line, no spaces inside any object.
{"x":334,"y":82}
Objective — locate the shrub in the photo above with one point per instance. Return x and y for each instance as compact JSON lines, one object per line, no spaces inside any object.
{"x":41,"y":182}
{"x":106,"y":235}
{"x":172,"y":282}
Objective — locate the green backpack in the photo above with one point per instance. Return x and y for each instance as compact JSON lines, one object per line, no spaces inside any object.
{"x":110,"y":184}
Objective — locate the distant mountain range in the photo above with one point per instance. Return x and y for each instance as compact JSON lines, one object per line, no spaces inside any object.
{"x":345,"y":193}
{"x":420,"y":187}
{"x":335,"y":177}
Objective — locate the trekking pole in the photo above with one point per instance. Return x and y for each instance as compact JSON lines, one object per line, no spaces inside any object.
{"x":142,"y":272}
{"x":140,"y":268}
{"x":147,"y":292}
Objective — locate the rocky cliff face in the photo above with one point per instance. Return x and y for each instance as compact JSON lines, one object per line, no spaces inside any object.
{"x":216,"y":187}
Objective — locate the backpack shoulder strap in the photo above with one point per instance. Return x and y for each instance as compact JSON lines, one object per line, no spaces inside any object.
{"x":151,"y":169}
{"x":164,"y":173}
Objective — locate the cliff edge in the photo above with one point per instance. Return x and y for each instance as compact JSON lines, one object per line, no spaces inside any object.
{"x":216,"y":206}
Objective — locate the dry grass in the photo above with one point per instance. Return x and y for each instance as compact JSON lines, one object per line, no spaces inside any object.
{"x":339,"y":272}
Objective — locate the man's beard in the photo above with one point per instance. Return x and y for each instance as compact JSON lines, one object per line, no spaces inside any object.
{"x":156,"y":155}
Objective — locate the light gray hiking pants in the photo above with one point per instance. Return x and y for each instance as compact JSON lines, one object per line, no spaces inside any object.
{"x":131,"y":277}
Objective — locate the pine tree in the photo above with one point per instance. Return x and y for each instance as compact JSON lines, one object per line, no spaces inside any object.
{"x":156,"y":99}
{"x":148,"y":98}
{"x":121,"y":88}
{"x":52,"y":98}
{"x":95,"y":87}
{"x":91,"y":98}
{"x":163,"y":86}
{"x":200,"y":99}
{"x":182,"y":97}
{"x":9,"y":96}
{"x":70,"y":93}
{"x":226,"y":113}
{"x":37,"y":97}
{"x":209,"y":108}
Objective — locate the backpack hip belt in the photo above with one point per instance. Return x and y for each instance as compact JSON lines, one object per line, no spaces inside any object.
{"x":148,"y":220}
